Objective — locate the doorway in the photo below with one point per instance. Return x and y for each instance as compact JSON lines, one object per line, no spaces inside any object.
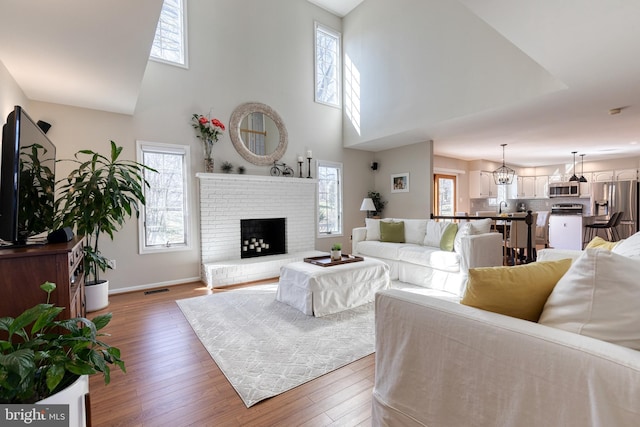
{"x":444,"y":194}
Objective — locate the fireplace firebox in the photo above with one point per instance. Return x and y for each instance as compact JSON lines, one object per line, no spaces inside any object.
{"x":262,"y":237}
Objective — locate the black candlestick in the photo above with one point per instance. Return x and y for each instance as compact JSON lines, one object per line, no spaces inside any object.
{"x":300,"y":169}
{"x":309,"y":175}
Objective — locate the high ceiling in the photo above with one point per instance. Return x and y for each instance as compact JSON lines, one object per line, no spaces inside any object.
{"x":591,"y":46}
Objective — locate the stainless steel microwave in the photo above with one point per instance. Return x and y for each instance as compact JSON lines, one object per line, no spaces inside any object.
{"x":564,"y":189}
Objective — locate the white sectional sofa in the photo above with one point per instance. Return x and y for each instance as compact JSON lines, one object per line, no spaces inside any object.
{"x":440,"y":363}
{"x":419,"y":259}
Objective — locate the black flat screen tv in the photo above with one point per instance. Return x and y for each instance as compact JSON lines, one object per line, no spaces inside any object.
{"x":27,"y":181}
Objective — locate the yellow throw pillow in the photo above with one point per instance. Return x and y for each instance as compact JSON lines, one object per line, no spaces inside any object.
{"x":519,"y":291}
{"x":392,"y":231}
{"x":599,"y":242}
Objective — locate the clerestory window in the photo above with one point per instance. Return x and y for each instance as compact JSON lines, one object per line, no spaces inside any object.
{"x":327,"y":65}
{"x":170,"y":42}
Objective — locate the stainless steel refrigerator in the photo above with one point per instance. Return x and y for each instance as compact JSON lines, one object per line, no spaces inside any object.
{"x":617,"y":196}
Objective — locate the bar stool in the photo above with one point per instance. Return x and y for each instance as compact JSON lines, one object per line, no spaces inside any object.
{"x":609,"y":227}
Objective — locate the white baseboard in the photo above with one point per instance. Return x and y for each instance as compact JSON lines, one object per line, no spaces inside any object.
{"x":155,"y":285}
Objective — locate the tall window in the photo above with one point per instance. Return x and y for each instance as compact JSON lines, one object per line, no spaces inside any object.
{"x":327,"y":65}
{"x":445,"y":194}
{"x":169,"y":44}
{"x":329,"y":198}
{"x":164,"y":220}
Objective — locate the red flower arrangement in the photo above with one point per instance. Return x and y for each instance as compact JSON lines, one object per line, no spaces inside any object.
{"x":209,"y":130}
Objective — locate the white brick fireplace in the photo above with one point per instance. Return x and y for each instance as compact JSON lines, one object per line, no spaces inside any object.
{"x":225,"y":199}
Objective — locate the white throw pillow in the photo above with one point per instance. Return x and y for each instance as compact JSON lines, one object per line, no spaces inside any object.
{"x":471,"y":228}
{"x":415,"y":230}
{"x":373,"y":228}
{"x":434,"y":233}
{"x":464,"y":229}
{"x":629,"y":247}
{"x":598,"y":297}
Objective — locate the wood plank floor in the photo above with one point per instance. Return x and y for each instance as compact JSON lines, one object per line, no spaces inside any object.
{"x":172,"y":380}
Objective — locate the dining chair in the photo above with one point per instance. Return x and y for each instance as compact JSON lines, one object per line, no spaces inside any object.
{"x":518,"y":237}
{"x":542,"y":229}
{"x":609,"y":227}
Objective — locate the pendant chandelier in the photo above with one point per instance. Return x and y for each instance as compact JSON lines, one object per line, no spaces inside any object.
{"x":574,"y":177}
{"x":503,"y":175}
{"x":582,"y":178}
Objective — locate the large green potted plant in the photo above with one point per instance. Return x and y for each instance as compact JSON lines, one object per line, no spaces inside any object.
{"x":96,"y":198}
{"x":41,"y":357}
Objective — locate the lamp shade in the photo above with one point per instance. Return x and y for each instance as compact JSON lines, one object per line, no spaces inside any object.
{"x":367,"y":205}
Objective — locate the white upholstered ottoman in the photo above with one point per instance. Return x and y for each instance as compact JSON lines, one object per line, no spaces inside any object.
{"x":318,"y":291}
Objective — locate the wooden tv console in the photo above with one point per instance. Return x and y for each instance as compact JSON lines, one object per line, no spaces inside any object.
{"x":23,"y":270}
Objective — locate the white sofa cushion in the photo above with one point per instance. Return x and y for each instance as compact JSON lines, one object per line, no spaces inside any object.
{"x":430,"y":257}
{"x":414,"y":230}
{"x":376,"y":249}
{"x":373,"y":228}
{"x":598,"y":297}
{"x":434,"y":233}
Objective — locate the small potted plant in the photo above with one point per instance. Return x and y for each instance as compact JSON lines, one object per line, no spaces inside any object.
{"x":227,"y":167}
{"x":42,"y":359}
{"x":336,"y":252}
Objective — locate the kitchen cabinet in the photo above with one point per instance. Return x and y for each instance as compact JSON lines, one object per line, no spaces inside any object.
{"x":565,"y":232}
{"x":585,"y":188}
{"x":602,"y":176}
{"x":526,"y":187}
{"x":542,"y":187}
{"x":482,"y":185}
{"x":533,"y":187}
{"x":626,"y":175}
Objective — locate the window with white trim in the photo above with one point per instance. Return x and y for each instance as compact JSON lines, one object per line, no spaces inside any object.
{"x":329,"y":198}
{"x":327,"y":65}
{"x":164,"y":220}
{"x":170,"y":42}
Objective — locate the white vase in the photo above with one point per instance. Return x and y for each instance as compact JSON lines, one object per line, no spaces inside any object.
{"x":74,"y":396}
{"x":336,"y":255}
{"x":96,"y":296}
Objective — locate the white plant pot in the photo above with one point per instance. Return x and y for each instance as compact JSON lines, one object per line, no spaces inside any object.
{"x":74,"y":396}
{"x":96,"y":296}
{"x":336,"y":255}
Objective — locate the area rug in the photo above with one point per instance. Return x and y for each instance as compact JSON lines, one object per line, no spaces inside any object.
{"x":265,"y":347}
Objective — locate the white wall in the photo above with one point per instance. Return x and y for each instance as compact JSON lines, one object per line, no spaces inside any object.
{"x":10,"y":94}
{"x":240,"y":51}
{"x":416,"y":160}
{"x":423,"y":62}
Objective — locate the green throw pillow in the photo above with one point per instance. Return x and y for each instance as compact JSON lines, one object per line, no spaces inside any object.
{"x":392,"y":231}
{"x":448,"y":236}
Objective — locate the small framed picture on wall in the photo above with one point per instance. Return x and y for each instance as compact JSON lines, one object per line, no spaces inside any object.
{"x":400,"y":183}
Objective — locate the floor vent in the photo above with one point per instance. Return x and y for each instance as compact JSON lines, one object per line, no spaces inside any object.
{"x":156,"y":291}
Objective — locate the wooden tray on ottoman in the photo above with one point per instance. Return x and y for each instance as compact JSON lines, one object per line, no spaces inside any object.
{"x":326,"y":261}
